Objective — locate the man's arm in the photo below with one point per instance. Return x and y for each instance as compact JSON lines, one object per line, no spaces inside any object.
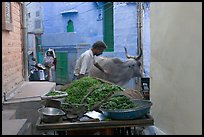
{"x":99,"y":67}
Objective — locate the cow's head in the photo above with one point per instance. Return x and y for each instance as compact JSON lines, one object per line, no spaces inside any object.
{"x":135,"y":63}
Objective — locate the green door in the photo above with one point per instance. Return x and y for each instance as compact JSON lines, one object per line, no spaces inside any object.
{"x":61,"y":68}
{"x":108,"y":26}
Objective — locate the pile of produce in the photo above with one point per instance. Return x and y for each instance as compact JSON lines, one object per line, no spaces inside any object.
{"x":90,"y":91}
{"x":53,"y":93}
{"x":118,"y":102}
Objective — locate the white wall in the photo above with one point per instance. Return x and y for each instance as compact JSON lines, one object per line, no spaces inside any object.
{"x":176,"y":66}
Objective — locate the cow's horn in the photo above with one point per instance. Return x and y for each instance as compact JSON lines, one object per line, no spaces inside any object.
{"x":134,"y":57}
{"x":140,"y":55}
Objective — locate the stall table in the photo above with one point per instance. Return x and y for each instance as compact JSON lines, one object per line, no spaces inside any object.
{"x":94,"y":126}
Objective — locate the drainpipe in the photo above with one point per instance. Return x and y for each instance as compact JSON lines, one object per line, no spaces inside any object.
{"x":139,"y":37}
{"x":25,"y":50}
{"x":139,"y":28}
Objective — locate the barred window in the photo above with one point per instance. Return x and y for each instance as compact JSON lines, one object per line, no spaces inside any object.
{"x":8,"y":12}
{"x":6,"y":16}
{"x":37,"y":24}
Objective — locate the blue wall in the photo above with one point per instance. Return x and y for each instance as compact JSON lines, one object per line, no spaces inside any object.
{"x":88,"y":29}
{"x":146,"y":42}
{"x":86,"y":26}
{"x":125,"y":30}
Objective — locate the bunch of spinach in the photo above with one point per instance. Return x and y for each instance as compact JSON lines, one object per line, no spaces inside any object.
{"x":119,"y":102}
{"x":101,"y":94}
{"x":89,"y":91}
{"x":78,"y":89}
{"x":53,"y":93}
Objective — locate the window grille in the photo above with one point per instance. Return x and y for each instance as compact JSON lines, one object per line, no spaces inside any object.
{"x":6,"y":16}
{"x":37,"y":24}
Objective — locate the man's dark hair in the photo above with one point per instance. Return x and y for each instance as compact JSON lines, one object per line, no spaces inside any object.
{"x":99,"y":44}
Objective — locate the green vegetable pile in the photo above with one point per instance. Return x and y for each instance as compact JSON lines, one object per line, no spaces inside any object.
{"x":119,"y":102}
{"x":89,"y":91}
{"x":78,"y":89}
{"x":53,"y":93}
{"x":100,"y":94}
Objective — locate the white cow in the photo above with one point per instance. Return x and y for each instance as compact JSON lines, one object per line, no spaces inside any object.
{"x":119,"y":72}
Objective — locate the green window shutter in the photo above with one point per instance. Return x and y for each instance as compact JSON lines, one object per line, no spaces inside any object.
{"x":70,"y":26}
{"x":61,"y":68}
{"x":108,"y":26}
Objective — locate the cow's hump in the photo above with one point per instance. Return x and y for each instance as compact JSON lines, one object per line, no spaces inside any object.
{"x":117,"y":61}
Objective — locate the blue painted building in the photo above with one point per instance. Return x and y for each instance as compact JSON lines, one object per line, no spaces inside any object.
{"x":34,"y":30}
{"x":72,"y":27}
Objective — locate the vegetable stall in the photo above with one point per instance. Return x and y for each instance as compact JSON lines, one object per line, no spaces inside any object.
{"x":116,"y":108}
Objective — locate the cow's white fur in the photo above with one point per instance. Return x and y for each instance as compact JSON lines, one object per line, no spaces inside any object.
{"x":118,"y":72}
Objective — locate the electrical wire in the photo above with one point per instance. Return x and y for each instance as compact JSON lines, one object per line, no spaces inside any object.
{"x":77,"y":5}
{"x":97,"y":9}
{"x":89,"y":9}
{"x":28,"y":3}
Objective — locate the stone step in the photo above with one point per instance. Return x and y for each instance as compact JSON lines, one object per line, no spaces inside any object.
{"x":8,"y":114}
{"x":25,"y":100}
{"x":26,"y":129}
{"x":29,"y":91}
{"x":15,"y":127}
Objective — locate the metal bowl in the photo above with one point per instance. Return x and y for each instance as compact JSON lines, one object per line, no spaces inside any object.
{"x":143,"y":107}
{"x":62,"y":94}
{"x":61,"y":97}
{"x":50,"y":115}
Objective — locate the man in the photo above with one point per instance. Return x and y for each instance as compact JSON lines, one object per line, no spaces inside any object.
{"x":88,"y":59}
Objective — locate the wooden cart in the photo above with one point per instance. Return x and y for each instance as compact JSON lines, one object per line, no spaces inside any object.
{"x":109,"y":127}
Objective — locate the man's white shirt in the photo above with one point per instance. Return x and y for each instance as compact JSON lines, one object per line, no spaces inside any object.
{"x":84,"y":63}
